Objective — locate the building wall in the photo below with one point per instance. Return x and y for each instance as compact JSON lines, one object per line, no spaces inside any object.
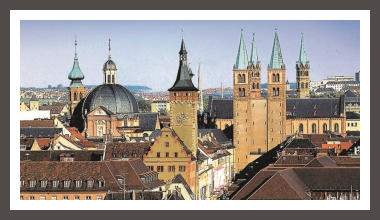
{"x":160,"y":106}
{"x":33,"y":105}
{"x":75,"y":94}
{"x":60,"y":195}
{"x":167,"y":143}
{"x":293,"y":125}
{"x":353,"y":125}
{"x":223,"y":123}
{"x":353,"y":108}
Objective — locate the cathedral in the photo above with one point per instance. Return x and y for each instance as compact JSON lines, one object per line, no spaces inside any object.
{"x":261,"y":123}
{"x":109,"y":110}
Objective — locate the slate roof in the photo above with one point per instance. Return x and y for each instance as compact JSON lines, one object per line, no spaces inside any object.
{"x":220,"y":108}
{"x":126,"y":150}
{"x":179,"y":179}
{"x":315,"y":108}
{"x":322,"y":161}
{"x":38,"y":123}
{"x":300,"y":143}
{"x":148,"y":121}
{"x":352,"y":115}
{"x":51,"y":155}
{"x":218,"y":134}
{"x":350,"y":94}
{"x":40,"y":132}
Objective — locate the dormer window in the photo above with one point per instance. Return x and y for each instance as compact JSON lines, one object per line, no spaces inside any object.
{"x":78,"y":183}
{"x":90,"y":183}
{"x":66,"y":183}
{"x":101,"y":183}
{"x":32,"y":183}
{"x":43,"y":183}
{"x":21,"y":183}
{"x":55,"y":183}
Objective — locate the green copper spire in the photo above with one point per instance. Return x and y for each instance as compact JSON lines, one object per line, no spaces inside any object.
{"x":302,"y":58}
{"x":76,"y":74}
{"x":242,"y":57}
{"x":254,"y":56}
{"x":276,"y":61}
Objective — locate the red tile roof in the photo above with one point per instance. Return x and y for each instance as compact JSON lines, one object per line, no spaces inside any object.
{"x":38,"y":123}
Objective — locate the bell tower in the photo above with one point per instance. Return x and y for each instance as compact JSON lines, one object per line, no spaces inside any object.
{"x":276,"y":96}
{"x":254,"y":77}
{"x":109,"y":68}
{"x":76,"y":90}
{"x":303,"y":69}
{"x":184,"y":104}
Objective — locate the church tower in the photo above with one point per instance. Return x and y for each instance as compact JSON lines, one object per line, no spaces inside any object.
{"x":184,"y":104}
{"x":303,"y":67}
{"x":109,"y":68}
{"x":76,"y":91}
{"x":255,"y":76}
{"x":276,"y":96}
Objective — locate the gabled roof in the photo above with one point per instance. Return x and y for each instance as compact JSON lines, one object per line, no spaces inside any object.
{"x":315,"y":108}
{"x":242,"y":57}
{"x":40,"y":132}
{"x":322,"y":161}
{"x":148,"y":121}
{"x":121,"y":150}
{"x":218,"y":134}
{"x":220,"y":108}
{"x":276,"y":61}
{"x":38,"y":123}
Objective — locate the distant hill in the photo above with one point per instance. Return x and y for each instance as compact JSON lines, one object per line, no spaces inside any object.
{"x":132,"y":88}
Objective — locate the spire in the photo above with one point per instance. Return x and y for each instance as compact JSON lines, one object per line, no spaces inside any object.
{"x":302,"y":59}
{"x":242,"y":57}
{"x":109,"y":48}
{"x":76,"y":73}
{"x":254,"y":56}
{"x":276,"y":61}
{"x":184,"y":74}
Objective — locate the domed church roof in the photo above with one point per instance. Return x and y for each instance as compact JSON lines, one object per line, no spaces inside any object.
{"x":109,"y":65}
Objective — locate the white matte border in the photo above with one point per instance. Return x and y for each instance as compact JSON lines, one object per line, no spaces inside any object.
{"x":17,"y":15}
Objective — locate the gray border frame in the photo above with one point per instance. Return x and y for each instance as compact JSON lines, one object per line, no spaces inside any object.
{"x":176,"y":4}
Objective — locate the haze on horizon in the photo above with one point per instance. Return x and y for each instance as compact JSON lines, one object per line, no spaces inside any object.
{"x":146,"y":52}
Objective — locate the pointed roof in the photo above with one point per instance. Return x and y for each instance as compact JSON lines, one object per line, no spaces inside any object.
{"x":76,"y":72}
{"x":276,"y":61}
{"x":302,"y":59}
{"x":254,"y":56}
{"x":242,"y":57}
{"x":184,"y":74}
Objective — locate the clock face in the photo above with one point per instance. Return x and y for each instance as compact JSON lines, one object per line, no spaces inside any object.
{"x":181,"y":118}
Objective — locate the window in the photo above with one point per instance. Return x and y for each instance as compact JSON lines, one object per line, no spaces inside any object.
{"x":171,"y":168}
{"x":113,"y":78}
{"x":336,"y":128}
{"x":324,"y":128}
{"x":54,"y":198}
{"x":65,"y":197}
{"x":78,"y":183}
{"x":101,"y":183}
{"x":167,"y":154}
{"x":314,"y":128}
{"x":300,"y":128}
{"x":55,"y":183}
{"x":259,"y":150}
{"x":21,"y":183}
{"x":150,"y":168}
{"x":88,"y":197}
{"x":80,"y":95}
{"x":32,"y":183}
{"x":175,"y":154}
{"x":21,"y":197}
{"x":160,"y":168}
{"x":43,"y":183}
{"x":90,"y":183}
{"x":182,"y":168}
{"x":158,"y":154}
{"x":134,"y":154}
{"x":109,"y":78}
{"x":99,"y":198}
{"x":31,"y":197}
{"x":66,"y":183}
{"x":75,"y":96}
{"x":166,"y":144}
{"x":76,"y":197}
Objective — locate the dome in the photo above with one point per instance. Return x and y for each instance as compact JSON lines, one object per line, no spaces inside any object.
{"x":113,"y":97}
{"x":109,"y":65}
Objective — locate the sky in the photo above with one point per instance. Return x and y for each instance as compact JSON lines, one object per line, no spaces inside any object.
{"x":146,"y":52}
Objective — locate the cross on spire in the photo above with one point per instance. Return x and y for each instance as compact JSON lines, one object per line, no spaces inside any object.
{"x":75,"y":45}
{"x":109,"y":48}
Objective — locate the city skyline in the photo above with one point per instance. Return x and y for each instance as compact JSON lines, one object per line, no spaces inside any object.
{"x":139,"y":54}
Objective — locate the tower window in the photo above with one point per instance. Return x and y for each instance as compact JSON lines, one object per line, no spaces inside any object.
{"x":336,"y":128}
{"x":113,"y":78}
{"x":324,"y":128}
{"x":109,"y":78}
{"x":300,"y":128}
{"x":75,"y":96}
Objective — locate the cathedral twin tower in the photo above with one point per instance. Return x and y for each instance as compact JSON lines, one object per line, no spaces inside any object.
{"x":260,"y":122}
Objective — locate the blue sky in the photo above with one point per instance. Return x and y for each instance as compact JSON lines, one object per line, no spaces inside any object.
{"x":146,"y":52}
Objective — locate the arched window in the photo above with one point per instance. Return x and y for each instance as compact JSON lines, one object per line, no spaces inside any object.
{"x":75,"y":96}
{"x":278,"y":77}
{"x":314,"y":128}
{"x":109,"y":78}
{"x":274,"y":77}
{"x":336,"y":128}
{"x":80,"y":95}
{"x":253,"y":85}
{"x":239,"y":78}
{"x":243,"y":92}
{"x":257,"y":85}
{"x":278,"y":91}
{"x":324,"y":128}
{"x":302,"y":85}
{"x":274,"y":92}
{"x":307,"y":85}
{"x":243,"y":78}
{"x":300,"y":129}
{"x":239,"y":91}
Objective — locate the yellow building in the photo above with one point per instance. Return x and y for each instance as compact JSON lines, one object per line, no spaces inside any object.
{"x":352,"y":121}
{"x":169,"y":156}
{"x":23,"y":107}
{"x":33,"y":104}
{"x":160,"y":106}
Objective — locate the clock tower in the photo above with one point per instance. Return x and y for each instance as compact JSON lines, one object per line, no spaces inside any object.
{"x":184,"y":104}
